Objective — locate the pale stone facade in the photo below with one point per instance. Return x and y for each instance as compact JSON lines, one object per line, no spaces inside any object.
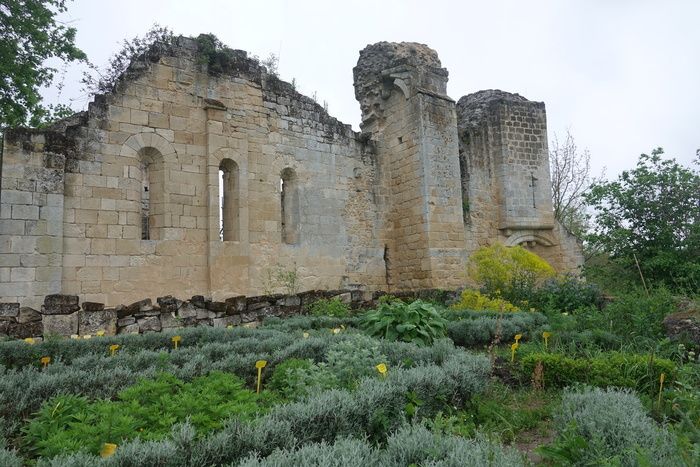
{"x":122,"y":202}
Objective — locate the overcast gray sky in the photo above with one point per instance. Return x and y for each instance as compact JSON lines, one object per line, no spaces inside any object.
{"x":622,"y":75}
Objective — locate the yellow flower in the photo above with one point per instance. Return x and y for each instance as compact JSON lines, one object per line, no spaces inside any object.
{"x":260,"y":364}
{"x":29,"y":340}
{"x":382,"y":369}
{"x":518,"y":337}
{"x":113,"y":349}
{"x":306,"y":335}
{"x":108,"y":449}
{"x":74,"y":336}
{"x":336,"y":330}
{"x":100,"y":333}
{"x":87,"y":336}
{"x":45,"y":361}
{"x":176,"y":340}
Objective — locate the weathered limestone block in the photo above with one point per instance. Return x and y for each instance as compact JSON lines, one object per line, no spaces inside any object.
{"x":217,"y":307}
{"x":187,"y":310}
{"x":9,"y":310}
{"x":28,"y":315}
{"x":150,"y":324}
{"x":61,"y":324}
{"x":225,"y":321}
{"x":126,"y":321}
{"x":59,"y":304}
{"x":236,"y":305}
{"x":93,"y":321}
{"x":17,"y":330}
{"x":203,"y":313}
{"x":130,"y":329}
{"x":140,"y":306}
{"x":92,"y":306}
{"x":169,"y":304}
{"x":199,"y":301}
{"x":169,"y":321}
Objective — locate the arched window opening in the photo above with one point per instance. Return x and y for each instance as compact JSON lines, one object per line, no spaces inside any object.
{"x":229,"y":215}
{"x":289,"y":201}
{"x":152,"y":186}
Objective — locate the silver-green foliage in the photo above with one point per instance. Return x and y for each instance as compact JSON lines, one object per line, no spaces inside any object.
{"x":374,"y":411}
{"x":611,"y":426}
{"x":410,"y":445}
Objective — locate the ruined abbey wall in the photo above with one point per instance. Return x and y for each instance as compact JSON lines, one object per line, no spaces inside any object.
{"x":123,"y":201}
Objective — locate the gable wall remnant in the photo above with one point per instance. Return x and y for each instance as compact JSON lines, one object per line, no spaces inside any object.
{"x":123,"y":201}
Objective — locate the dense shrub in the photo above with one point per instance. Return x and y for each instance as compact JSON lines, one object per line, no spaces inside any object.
{"x":333,"y":307}
{"x":608,"y":427}
{"x":566,"y":294}
{"x":375,"y":410}
{"x":99,"y":376}
{"x":480,"y":331}
{"x":354,"y":358}
{"x":605,"y":369}
{"x":16,"y":354}
{"x":506,"y":271}
{"x":418,"y":322}
{"x":410,"y":445}
{"x":475,"y":300}
{"x":148,"y":410}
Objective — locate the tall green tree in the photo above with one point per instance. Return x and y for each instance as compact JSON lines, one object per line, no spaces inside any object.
{"x":651,"y":212}
{"x":29,"y":35}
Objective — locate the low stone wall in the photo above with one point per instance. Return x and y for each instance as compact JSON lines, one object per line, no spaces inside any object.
{"x":62,"y":315}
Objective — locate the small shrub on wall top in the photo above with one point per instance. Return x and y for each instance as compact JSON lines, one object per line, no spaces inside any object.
{"x":500,"y":269}
{"x":475,"y":300}
{"x":418,"y":322}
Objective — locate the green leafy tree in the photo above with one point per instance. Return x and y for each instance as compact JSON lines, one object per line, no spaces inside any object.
{"x":29,"y":35}
{"x":651,"y":212}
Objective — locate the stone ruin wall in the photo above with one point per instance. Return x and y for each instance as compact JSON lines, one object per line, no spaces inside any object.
{"x":384,"y":209}
{"x":64,"y":315}
{"x":506,"y":188}
{"x":72,"y":222}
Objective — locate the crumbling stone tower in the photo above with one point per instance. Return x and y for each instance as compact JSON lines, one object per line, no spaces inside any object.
{"x":406,"y":112}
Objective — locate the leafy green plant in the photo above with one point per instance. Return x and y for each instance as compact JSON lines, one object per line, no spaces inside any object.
{"x":418,"y":322}
{"x":505,"y":271}
{"x":148,"y":410}
{"x":566,"y":293}
{"x":598,"y":426}
{"x":295,"y":378}
{"x":333,"y":307}
{"x":475,"y":300}
{"x":605,"y":369}
{"x":354,"y":358}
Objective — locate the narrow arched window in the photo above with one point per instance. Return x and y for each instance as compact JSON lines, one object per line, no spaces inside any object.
{"x":230,"y":201}
{"x":289,"y":202}
{"x":152,"y":186}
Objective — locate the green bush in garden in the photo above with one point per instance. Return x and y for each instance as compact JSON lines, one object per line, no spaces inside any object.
{"x":410,"y":445}
{"x":566,"y":294}
{"x":605,"y":369}
{"x":149,"y":409}
{"x":354,"y":358}
{"x":294,"y":378}
{"x":480,"y":331}
{"x":610,"y":427}
{"x":418,"y":322}
{"x":375,"y":410}
{"x":329,"y":307}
